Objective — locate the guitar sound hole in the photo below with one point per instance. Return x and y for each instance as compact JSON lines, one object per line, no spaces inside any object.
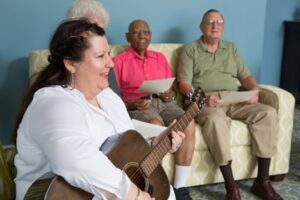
{"x":136,"y":176}
{"x":151,"y":190}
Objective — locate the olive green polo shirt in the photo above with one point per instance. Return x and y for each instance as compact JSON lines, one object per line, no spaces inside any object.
{"x":211,"y":71}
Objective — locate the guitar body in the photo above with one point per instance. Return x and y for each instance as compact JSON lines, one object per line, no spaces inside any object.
{"x":55,"y":188}
{"x":130,"y":150}
{"x":127,"y":154}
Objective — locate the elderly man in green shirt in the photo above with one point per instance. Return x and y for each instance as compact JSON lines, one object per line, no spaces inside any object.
{"x":215,"y":65}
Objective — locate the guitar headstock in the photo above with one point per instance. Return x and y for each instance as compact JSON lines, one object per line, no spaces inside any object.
{"x":197,"y":96}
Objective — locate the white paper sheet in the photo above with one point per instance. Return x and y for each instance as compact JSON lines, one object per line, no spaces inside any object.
{"x":156,"y":86}
{"x":233,"y":97}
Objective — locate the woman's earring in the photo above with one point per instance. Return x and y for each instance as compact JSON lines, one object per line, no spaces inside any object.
{"x":72,"y":80}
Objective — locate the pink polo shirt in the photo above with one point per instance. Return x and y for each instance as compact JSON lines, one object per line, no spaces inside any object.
{"x":131,"y":70}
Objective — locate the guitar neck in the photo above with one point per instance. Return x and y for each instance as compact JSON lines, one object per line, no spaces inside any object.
{"x":154,"y":158}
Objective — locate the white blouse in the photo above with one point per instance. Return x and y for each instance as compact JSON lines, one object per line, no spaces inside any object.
{"x":61,"y":134}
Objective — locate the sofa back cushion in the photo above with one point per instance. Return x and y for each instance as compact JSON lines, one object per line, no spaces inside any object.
{"x":38,"y":60}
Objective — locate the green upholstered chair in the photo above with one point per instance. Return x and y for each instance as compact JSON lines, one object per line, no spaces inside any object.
{"x":7,"y":172}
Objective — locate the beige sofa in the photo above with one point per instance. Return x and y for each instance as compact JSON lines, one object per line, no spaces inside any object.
{"x":204,"y":171}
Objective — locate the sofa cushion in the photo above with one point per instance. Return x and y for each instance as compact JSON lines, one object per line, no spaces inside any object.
{"x":38,"y":58}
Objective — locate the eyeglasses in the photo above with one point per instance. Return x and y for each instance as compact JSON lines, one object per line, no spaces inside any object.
{"x":214,"y":21}
{"x":136,"y":33}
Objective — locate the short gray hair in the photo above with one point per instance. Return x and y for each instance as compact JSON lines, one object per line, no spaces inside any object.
{"x":211,"y":11}
{"x":86,"y":8}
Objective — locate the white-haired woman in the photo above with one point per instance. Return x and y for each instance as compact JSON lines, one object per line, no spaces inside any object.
{"x":93,"y":10}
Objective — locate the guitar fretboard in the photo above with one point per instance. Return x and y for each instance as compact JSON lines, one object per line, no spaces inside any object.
{"x":155,"y":157}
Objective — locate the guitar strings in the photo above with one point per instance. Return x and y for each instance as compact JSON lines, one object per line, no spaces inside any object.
{"x":139,"y":174}
{"x":150,"y":166}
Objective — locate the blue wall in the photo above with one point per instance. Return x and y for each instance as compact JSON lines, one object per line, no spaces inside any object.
{"x":255,"y":26}
{"x":276,"y":13}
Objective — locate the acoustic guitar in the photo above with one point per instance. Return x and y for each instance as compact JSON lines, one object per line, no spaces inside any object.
{"x":134,"y":156}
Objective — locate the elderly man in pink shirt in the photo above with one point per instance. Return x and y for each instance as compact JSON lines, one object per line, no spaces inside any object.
{"x":134,"y":66}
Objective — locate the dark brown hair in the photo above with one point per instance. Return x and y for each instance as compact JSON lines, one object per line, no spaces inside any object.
{"x":69,"y":41}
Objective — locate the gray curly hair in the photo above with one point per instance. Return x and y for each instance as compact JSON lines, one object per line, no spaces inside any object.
{"x":87,"y":9}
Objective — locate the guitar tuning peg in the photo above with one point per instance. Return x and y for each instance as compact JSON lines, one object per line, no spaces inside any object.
{"x":190,"y":94}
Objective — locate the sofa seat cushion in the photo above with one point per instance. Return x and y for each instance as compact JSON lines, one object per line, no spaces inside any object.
{"x":239,"y":132}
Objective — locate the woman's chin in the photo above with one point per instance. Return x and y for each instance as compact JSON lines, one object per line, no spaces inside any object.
{"x":103,"y":87}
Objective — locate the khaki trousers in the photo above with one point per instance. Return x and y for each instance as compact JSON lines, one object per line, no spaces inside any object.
{"x":262,"y":122}
{"x":166,"y":112}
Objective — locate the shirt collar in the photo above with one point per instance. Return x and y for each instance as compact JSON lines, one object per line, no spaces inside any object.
{"x":204,"y":48}
{"x":148,"y":53}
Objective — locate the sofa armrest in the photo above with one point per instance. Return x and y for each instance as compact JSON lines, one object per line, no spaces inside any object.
{"x":284,"y":103}
{"x":268,"y":96}
{"x":280,"y":99}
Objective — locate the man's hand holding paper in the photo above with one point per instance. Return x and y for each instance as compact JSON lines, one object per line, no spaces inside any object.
{"x":156,"y":86}
{"x":167,"y":96}
{"x":253,"y":99}
{"x":232,"y":97}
